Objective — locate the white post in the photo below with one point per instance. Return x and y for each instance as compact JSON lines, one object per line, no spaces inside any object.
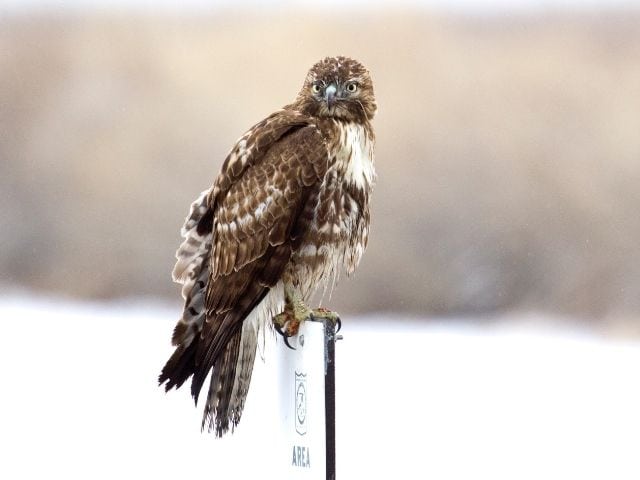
{"x":307,"y":385}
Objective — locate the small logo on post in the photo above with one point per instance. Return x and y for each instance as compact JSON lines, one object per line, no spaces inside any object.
{"x":301,"y":403}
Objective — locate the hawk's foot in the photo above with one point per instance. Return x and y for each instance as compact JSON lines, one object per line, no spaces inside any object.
{"x":288,"y":323}
{"x":319,"y":314}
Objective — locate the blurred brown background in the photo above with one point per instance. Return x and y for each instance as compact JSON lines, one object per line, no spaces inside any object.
{"x":508,"y":150}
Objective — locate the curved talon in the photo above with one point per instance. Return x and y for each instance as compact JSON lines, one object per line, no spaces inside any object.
{"x":338,"y":324}
{"x":279,"y":329}
{"x":286,"y":342}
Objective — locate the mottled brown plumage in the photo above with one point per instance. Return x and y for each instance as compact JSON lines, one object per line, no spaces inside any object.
{"x":289,"y":209}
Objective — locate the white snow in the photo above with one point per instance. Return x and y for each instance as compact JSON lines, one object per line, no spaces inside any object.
{"x":438,"y":400}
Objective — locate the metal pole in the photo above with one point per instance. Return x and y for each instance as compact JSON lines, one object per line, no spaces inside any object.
{"x":330,"y":396}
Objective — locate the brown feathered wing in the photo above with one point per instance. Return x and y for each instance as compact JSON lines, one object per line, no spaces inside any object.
{"x":239,"y":237}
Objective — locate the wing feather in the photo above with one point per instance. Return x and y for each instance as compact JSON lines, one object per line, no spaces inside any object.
{"x":261,"y":254}
{"x":239,"y":243}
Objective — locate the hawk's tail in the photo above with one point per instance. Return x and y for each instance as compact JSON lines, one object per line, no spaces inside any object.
{"x":232,"y":368}
{"x":230,"y":378}
{"x":230,"y":374}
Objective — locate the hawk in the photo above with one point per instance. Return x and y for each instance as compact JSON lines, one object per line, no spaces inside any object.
{"x":288,"y":212}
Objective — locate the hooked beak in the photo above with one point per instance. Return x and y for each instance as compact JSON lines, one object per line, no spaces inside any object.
{"x":330,"y":95}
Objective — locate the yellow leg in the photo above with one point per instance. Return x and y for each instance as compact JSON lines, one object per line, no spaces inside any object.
{"x":296,"y":312}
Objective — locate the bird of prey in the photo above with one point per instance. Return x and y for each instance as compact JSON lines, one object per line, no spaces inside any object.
{"x":287,"y":213}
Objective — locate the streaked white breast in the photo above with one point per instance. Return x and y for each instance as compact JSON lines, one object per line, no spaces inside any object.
{"x":356,"y":155}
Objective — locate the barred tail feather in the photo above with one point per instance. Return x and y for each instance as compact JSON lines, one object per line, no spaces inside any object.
{"x":216,"y":410}
{"x":229,"y":385}
{"x":231,"y":375}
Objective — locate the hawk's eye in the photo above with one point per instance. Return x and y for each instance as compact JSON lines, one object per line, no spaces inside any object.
{"x":315,"y":88}
{"x":352,"y":87}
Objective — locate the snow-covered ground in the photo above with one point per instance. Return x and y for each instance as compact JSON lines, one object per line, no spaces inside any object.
{"x":437,"y":400}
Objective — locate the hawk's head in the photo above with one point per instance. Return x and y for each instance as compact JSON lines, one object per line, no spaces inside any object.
{"x":338,"y":87}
